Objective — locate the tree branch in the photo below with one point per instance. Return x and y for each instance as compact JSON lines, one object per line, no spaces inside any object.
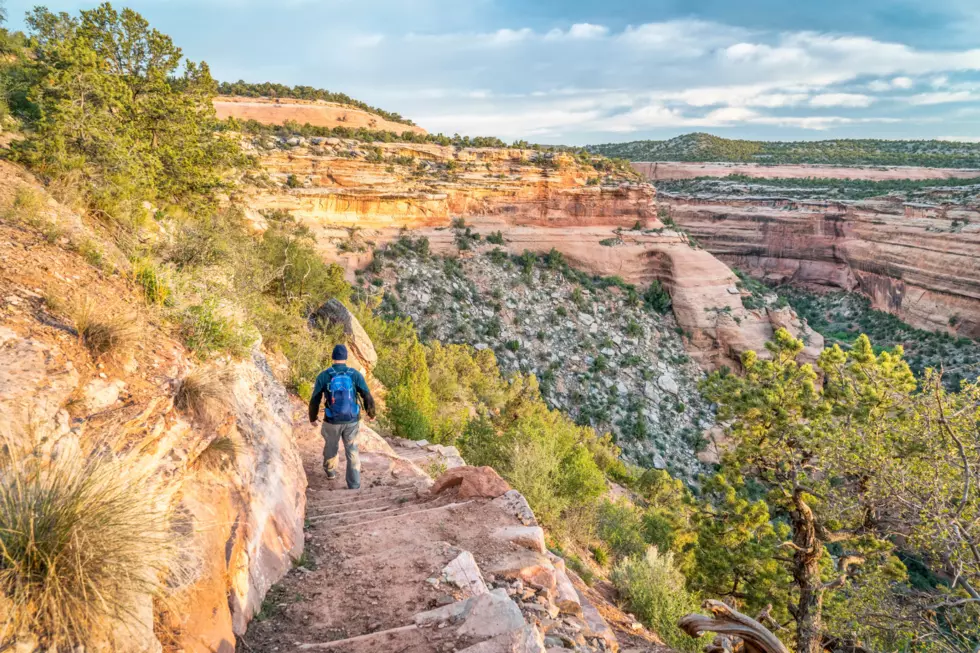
{"x":726,"y":621}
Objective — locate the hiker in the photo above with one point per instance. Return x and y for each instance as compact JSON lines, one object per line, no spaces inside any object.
{"x":341,"y":385}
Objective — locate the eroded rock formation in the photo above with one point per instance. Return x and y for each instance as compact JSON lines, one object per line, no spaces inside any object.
{"x":918,"y":261}
{"x":240,"y":523}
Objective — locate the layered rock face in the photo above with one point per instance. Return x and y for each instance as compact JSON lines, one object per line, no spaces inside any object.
{"x":918,"y":261}
{"x":354,"y":197}
{"x":239,"y":524}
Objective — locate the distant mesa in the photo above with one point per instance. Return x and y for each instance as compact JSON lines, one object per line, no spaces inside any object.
{"x":319,"y":113}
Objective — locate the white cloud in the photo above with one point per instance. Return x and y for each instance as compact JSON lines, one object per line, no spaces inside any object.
{"x":943,"y":97}
{"x":841,"y":100}
{"x":579,"y":31}
{"x":679,"y":73}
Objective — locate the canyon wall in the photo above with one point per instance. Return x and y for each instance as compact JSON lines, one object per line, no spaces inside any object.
{"x":239,"y":523}
{"x":354,"y":197}
{"x":917,"y":261}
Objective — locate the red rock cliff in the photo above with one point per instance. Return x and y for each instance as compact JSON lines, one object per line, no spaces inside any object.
{"x":917,"y":261}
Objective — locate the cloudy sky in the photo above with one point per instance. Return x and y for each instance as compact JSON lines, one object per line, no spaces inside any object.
{"x":588,"y":71}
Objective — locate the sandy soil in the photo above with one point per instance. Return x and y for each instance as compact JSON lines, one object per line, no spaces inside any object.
{"x":320,"y":114}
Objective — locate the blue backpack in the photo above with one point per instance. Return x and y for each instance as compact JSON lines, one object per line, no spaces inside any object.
{"x":341,"y":400}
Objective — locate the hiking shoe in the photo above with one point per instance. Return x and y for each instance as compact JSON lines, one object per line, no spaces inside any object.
{"x":331,"y":476}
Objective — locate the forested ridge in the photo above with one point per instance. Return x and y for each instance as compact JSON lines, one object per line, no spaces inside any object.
{"x":702,"y":147}
{"x":242,"y":88}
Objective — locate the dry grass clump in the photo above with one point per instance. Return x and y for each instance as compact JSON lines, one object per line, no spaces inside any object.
{"x":219,"y":454}
{"x":104,"y":331}
{"x":26,"y":207}
{"x":80,"y":540}
{"x":205,"y":395}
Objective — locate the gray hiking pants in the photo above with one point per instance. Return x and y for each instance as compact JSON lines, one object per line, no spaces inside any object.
{"x":333,"y":434}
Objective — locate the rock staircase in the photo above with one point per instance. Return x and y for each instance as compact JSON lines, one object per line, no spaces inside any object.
{"x":406,"y":567}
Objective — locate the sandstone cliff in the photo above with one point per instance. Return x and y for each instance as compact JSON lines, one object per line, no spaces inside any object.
{"x":355,"y":196}
{"x":916,"y":260}
{"x":240,"y":522}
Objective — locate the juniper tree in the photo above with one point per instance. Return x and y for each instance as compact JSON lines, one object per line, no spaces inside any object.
{"x":112,"y":106}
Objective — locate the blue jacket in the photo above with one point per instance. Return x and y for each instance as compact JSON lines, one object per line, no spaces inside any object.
{"x":323,"y":383}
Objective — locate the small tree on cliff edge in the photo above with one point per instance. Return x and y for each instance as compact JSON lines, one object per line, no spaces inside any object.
{"x":815,"y":451}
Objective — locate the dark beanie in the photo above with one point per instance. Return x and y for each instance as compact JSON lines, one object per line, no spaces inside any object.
{"x":340,"y":353}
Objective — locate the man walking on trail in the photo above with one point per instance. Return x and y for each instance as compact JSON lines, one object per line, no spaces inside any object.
{"x":340,"y":386}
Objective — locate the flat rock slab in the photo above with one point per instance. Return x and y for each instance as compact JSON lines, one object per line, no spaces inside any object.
{"x":528,"y":537}
{"x":465,"y":574}
{"x":513,"y":503}
{"x":526,"y":640}
{"x":531,"y":567}
{"x":483,"y":617}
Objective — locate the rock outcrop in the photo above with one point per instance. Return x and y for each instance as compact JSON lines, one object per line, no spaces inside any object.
{"x":240,"y":522}
{"x":918,"y":261}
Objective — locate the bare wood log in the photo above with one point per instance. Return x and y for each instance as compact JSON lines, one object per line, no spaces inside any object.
{"x":726,"y":621}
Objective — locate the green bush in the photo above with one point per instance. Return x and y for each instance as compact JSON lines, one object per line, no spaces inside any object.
{"x":654,"y":590}
{"x":620,"y":527}
{"x":206,"y":331}
{"x":657,"y":298}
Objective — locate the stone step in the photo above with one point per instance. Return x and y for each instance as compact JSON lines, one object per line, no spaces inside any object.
{"x":343,"y":495}
{"x":335,"y":519}
{"x":357,"y":511}
{"x":354,"y":500}
{"x":449,"y":506}
{"x":404,"y":639}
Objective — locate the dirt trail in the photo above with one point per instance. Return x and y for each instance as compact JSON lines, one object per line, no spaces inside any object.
{"x":375,"y":559}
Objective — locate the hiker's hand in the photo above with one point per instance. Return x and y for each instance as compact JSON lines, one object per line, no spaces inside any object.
{"x":313,"y":422}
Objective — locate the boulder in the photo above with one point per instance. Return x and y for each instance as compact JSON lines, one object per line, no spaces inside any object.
{"x":472,"y":482}
{"x":530,"y":567}
{"x":513,"y":502}
{"x":98,"y":394}
{"x":595,"y":625}
{"x":465,"y":574}
{"x":529,"y":537}
{"x":566,"y":598}
{"x":361,"y":346}
{"x":526,"y":640}
{"x":483,"y":616}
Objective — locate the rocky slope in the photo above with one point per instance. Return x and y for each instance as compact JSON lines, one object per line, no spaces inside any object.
{"x":239,"y":521}
{"x":605,"y":360}
{"x":914,"y":259}
{"x":354,"y":196}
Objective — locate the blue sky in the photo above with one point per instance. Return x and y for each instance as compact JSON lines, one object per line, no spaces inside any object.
{"x":587,"y":71}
